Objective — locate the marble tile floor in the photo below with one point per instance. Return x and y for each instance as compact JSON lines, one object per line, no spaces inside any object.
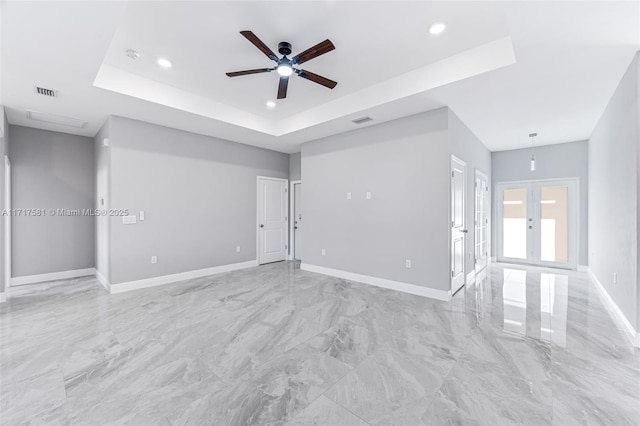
{"x":277,"y":345}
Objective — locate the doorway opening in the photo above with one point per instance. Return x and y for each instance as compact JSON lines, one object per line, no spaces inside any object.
{"x":296,"y":220}
{"x":458,"y":221}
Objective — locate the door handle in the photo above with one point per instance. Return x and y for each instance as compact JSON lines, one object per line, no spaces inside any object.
{"x":464,"y":231}
{"x":261,"y":226}
{"x":295,"y":227}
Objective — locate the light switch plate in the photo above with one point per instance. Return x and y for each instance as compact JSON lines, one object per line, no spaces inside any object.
{"x":407,"y":263}
{"x":368,"y":195}
{"x":129,"y":220}
{"x":238,"y":249}
{"x":348,"y":195}
{"x":324,"y":252}
{"x":141,"y":215}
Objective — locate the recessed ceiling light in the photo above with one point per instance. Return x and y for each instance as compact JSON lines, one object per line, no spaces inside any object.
{"x":133,"y":54}
{"x":271,"y":104}
{"x":164,"y":63}
{"x":437,"y":28}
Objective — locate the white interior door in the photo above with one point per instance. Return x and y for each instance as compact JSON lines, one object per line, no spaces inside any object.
{"x":7,"y":223}
{"x":272,"y":219}
{"x":458,"y":230}
{"x":297,"y":221}
{"x":481,"y":221}
{"x":538,"y":222}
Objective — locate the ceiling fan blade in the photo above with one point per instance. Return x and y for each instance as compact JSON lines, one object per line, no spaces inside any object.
{"x":317,"y":79}
{"x":259,"y":44}
{"x":282,"y":87}
{"x":314,"y":52}
{"x":247,"y":72}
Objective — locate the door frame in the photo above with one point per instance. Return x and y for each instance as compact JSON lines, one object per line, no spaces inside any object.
{"x":464,"y":223}
{"x":7,"y":223}
{"x":484,"y":176}
{"x":286,"y":186}
{"x":292,"y":209}
{"x":573,"y":183}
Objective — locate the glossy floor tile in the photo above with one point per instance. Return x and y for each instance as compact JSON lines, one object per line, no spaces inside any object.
{"x":277,"y":345}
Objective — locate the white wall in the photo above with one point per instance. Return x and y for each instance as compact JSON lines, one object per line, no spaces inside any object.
{"x":613,"y":196}
{"x":198,"y":194}
{"x":4,"y":143}
{"x":565,"y":160}
{"x":405,"y":165}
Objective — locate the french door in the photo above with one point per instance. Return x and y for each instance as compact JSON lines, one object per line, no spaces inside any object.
{"x":538,"y":222}
{"x":481,"y":220}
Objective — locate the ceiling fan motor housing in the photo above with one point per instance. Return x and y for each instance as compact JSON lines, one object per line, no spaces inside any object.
{"x":284,"y":48}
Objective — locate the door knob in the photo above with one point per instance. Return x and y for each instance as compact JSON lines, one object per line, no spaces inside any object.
{"x":261,"y":226}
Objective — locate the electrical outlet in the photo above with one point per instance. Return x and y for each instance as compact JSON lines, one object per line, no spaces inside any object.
{"x":615,"y":278}
{"x":237,"y":249}
{"x":324,"y":252}
{"x":154,"y":259}
{"x":407,"y":263}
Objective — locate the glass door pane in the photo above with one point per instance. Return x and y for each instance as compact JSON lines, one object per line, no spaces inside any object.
{"x":514,"y":223}
{"x":554,"y":226}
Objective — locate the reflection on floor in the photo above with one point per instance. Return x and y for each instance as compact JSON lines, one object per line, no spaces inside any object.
{"x":278,"y":345}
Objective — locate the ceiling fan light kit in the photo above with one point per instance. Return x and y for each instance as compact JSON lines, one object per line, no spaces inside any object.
{"x":285,"y":67}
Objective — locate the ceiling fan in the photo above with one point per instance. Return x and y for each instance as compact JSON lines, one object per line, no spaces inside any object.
{"x":285,"y":66}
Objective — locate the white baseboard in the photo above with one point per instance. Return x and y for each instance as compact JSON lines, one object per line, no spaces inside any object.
{"x":168,"y":279}
{"x":471,"y":277}
{"x":3,"y":297}
{"x":613,"y":309}
{"x":53,"y":276}
{"x":104,"y":281}
{"x":444,"y":295}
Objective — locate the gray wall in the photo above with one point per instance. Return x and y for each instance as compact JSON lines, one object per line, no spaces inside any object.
{"x":467,"y":147}
{"x":4,"y":143}
{"x":613,"y":196}
{"x":198,"y":193}
{"x":405,"y":164}
{"x":566,"y":160}
{"x":295,"y":166}
{"x":102,"y":197}
{"x":51,"y":170}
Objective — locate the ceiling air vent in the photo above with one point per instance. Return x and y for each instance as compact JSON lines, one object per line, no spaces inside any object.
{"x":45,"y":92}
{"x":362,"y":120}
